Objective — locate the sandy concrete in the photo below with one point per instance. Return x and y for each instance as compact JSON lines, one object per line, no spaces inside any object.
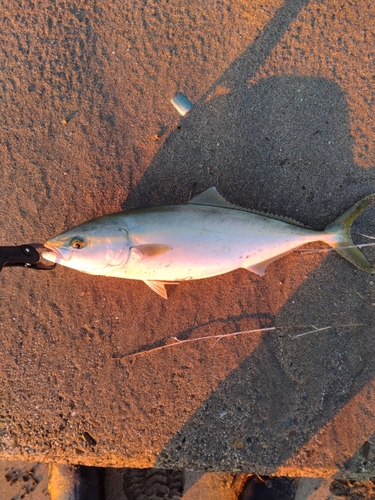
{"x":20,"y":480}
{"x":212,"y":486}
{"x":283,"y":122}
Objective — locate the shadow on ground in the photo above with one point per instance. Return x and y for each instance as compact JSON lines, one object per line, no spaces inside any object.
{"x":282,"y":146}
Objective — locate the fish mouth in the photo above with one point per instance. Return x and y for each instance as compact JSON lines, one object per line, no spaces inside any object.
{"x":52,"y":254}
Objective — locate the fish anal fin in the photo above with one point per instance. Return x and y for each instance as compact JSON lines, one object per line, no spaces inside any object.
{"x":151,"y":250}
{"x":159,"y":287}
{"x":260,"y":267}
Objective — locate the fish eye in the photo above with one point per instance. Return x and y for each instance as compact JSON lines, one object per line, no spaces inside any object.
{"x":77,"y":243}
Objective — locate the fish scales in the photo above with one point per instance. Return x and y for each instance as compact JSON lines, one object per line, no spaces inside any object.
{"x":204,"y":241}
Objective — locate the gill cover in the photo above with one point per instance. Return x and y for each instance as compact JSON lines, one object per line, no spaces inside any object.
{"x":100,"y":247}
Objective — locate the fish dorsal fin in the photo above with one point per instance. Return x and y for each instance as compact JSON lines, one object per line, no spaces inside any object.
{"x":212,"y":198}
{"x":152,"y":250}
{"x":159,"y":287}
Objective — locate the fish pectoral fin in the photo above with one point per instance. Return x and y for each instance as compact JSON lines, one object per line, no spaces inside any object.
{"x":151,"y":250}
{"x":159,"y":287}
{"x":260,"y":267}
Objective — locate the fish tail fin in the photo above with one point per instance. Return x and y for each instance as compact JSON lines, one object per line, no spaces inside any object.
{"x":340,"y":230}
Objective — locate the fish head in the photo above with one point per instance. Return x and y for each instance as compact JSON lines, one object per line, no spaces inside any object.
{"x":98,"y":247}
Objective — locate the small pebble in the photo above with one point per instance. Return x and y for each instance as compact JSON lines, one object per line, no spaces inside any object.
{"x":182,"y":104}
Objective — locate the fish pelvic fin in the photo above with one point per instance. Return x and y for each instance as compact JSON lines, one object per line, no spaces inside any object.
{"x":341,"y":230}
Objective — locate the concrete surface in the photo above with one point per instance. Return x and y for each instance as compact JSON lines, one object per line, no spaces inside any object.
{"x":283,"y":122}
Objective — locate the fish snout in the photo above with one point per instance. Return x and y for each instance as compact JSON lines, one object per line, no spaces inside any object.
{"x":52,"y":254}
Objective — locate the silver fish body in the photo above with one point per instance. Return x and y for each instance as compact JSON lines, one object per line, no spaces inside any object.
{"x":206,"y":237}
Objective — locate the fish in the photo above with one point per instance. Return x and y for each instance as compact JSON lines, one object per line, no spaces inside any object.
{"x":205,"y":237}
